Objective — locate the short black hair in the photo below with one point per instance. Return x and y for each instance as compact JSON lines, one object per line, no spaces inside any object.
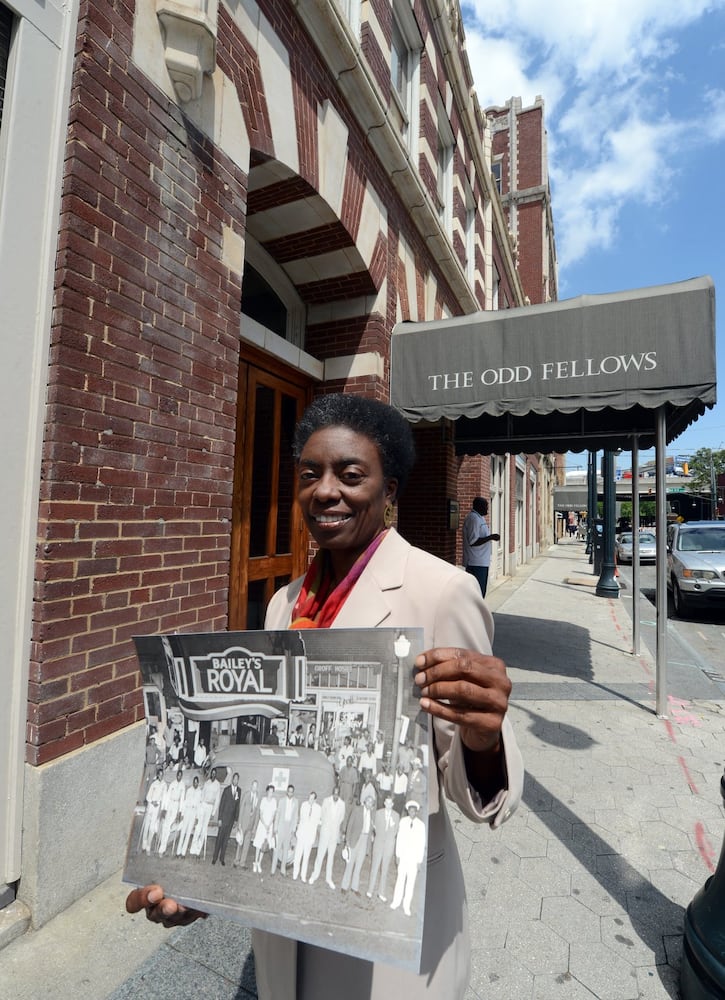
{"x":387,"y":428}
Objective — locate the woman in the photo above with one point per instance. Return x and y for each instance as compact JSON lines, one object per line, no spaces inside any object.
{"x":264,"y":834}
{"x":353,"y":458}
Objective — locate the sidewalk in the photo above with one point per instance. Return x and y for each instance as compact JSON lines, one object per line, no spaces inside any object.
{"x":581,"y":894}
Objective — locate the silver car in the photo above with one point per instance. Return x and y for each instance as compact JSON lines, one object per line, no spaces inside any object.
{"x":647,"y":547}
{"x":696,"y":563}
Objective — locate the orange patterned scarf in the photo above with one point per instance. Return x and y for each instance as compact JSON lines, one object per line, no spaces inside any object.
{"x":320,"y":600}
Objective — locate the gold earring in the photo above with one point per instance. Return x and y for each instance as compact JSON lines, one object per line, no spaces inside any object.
{"x":388,"y":515}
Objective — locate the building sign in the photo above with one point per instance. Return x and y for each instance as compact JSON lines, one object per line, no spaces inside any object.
{"x":649,"y":347}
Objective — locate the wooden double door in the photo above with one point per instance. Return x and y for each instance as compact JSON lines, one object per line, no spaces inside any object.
{"x":269,"y":540}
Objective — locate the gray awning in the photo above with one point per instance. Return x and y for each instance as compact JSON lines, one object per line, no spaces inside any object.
{"x":570,"y":498}
{"x":583,"y":373}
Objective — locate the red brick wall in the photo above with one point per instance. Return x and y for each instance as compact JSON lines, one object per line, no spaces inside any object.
{"x":531,"y":249}
{"x":135,"y":505}
{"x":530,"y":134}
{"x":423,"y":510}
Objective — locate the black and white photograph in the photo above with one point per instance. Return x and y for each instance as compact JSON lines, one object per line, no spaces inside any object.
{"x":285,"y":784}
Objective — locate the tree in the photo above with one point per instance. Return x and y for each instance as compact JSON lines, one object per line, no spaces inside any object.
{"x":702,"y":465}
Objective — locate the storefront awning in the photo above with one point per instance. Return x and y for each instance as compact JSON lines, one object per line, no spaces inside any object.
{"x":584,"y":373}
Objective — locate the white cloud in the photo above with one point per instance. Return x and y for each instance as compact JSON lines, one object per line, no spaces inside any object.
{"x":715,"y":121}
{"x":606,"y":74}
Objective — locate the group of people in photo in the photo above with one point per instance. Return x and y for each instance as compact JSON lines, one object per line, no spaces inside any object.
{"x":365,"y":837}
{"x":371,"y":818}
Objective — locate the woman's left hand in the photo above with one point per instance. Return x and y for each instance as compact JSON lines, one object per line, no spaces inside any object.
{"x":467,"y":688}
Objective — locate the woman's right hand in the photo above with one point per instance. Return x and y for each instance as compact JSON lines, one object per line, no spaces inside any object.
{"x":159,"y":908}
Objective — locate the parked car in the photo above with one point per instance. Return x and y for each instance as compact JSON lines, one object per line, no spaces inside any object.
{"x":696,"y":563}
{"x":647,"y":547}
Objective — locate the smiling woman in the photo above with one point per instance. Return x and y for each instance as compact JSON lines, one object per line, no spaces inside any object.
{"x":353,"y":456}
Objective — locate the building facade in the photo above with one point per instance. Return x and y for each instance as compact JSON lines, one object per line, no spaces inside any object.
{"x":209,"y":212}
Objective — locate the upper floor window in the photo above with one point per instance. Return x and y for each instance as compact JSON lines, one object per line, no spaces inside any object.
{"x":351,"y":10}
{"x":445,"y":172}
{"x":268,"y":296}
{"x":496,"y":174}
{"x":405,"y":46}
{"x":470,"y":233}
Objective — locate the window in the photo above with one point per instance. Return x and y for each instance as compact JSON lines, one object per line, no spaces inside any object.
{"x":496,"y":174}
{"x":351,"y":10}
{"x":268,"y":296}
{"x":470,"y":234}
{"x":445,"y":172}
{"x":405,"y":46}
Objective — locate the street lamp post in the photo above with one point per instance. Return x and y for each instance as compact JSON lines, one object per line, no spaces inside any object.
{"x":591,"y":503}
{"x":401,"y":648}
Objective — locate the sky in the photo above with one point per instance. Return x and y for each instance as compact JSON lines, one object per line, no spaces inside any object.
{"x":634,"y":97}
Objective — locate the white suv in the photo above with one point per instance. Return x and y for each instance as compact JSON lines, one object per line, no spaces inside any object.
{"x":696,"y":563}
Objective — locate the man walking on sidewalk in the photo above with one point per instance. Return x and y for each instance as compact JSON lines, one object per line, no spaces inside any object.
{"x":477,"y":543}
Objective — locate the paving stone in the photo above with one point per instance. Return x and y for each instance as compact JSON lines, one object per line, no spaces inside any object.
{"x":537,"y":947}
{"x":634,"y":941}
{"x":603,"y":972}
{"x":655,"y":910}
{"x":675,"y":886}
{"x":544,"y":877}
{"x":571,"y":919}
{"x":562,"y":986}
{"x":526,"y":843}
{"x":496,"y":974}
{"x":572,"y":859}
{"x":506,"y":897}
{"x":660,"y":982}
{"x":618,"y":869}
{"x":616,"y":821}
{"x":550,"y":824}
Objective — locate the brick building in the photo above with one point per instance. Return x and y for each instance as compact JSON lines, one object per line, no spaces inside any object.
{"x":520,"y":488}
{"x":208,"y":213}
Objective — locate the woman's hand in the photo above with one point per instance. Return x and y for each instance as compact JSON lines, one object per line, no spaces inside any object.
{"x":160,"y":909}
{"x":467,"y":688}
{"x":471,"y":690}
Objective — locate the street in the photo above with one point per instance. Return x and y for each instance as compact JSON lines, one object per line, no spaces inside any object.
{"x":695,"y":645}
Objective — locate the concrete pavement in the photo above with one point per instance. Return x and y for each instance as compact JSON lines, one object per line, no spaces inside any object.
{"x":581,"y":894}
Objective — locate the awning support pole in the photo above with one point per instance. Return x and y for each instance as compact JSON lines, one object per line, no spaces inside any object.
{"x":607,"y":585}
{"x":635,"y":546}
{"x":661,"y":564}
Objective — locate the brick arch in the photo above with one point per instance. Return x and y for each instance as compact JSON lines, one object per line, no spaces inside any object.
{"x":301,"y":231}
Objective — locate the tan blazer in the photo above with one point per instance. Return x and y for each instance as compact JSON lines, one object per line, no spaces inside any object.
{"x":403,"y":587}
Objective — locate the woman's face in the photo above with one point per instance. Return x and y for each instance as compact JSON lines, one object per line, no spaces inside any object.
{"x":342,"y":491}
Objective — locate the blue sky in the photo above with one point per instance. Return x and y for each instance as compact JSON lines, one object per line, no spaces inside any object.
{"x":634,"y":94}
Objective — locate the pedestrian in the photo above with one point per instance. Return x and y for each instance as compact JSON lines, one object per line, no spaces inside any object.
{"x":477,"y":543}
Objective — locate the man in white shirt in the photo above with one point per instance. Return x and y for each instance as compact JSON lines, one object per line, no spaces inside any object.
{"x":477,"y":543}
{"x":310,"y":817}
{"x":154,"y":801}
{"x":410,"y":852}
{"x":211,"y":793}
{"x":189,"y":816}
{"x":333,"y":813}
{"x":172,"y":806}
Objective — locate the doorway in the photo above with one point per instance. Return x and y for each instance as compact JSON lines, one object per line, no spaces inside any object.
{"x":268,"y":536}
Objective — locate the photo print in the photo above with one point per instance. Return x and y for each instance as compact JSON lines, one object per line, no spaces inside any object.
{"x":285,"y":784}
